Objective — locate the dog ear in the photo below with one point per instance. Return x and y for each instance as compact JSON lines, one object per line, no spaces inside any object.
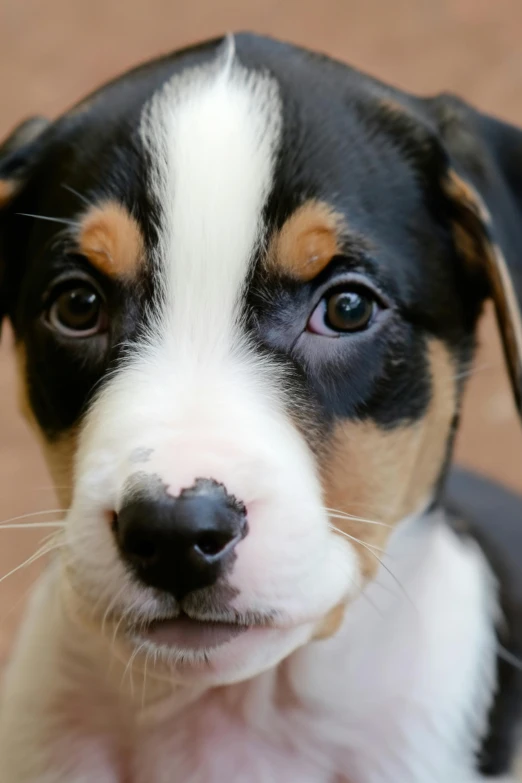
{"x":18,"y":153}
{"x":483,"y":187}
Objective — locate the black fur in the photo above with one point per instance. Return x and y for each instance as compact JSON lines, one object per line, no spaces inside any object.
{"x":492,"y":516}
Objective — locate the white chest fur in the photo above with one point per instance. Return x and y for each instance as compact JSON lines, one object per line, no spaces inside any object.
{"x":399,"y":695}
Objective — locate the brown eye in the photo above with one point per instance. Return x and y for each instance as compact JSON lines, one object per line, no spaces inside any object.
{"x":78,"y":311}
{"x":348,"y":311}
{"x":351,"y":310}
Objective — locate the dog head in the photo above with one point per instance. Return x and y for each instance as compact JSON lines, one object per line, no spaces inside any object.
{"x":244,"y":282}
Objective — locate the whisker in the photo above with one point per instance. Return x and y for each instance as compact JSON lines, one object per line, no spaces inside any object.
{"x":372,"y":603}
{"x":44,"y":550}
{"x":369,"y":508}
{"x":110,"y":607}
{"x":509,"y":657}
{"x":123,"y":618}
{"x":32,"y":514}
{"x":129,"y":669}
{"x":50,"y":536}
{"x":333,"y":514}
{"x":77,"y":194}
{"x":63,"y":221}
{"x":15,"y":605}
{"x":144,"y":683}
{"x":469,"y":371}
{"x":392,"y":575}
{"x":357,"y":540}
{"x":31,"y":525}
{"x":46,"y":540}
{"x":370,"y":549}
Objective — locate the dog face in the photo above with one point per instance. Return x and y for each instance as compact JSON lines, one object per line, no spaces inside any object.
{"x":244,"y":282}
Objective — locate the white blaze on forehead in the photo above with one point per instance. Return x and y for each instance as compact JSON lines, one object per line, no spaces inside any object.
{"x":212,"y":134}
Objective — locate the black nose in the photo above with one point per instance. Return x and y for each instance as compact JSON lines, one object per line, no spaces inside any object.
{"x":181,"y":544}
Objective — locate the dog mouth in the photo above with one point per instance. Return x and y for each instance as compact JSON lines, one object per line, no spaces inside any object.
{"x":190,"y":634}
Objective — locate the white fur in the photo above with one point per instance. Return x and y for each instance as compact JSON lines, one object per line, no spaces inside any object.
{"x":399,"y":695}
{"x":212,"y":134}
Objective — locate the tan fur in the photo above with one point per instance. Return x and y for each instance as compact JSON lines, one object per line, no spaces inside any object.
{"x":59,"y":454}
{"x":8,"y":188}
{"x":461,"y":191}
{"x":384,"y":475}
{"x":391,"y":106}
{"x":471,"y":232}
{"x":111,"y":239}
{"x":331,"y":623}
{"x":307,"y":242}
{"x":508,"y":312}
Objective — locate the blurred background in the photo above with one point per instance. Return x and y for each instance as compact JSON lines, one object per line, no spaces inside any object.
{"x":54,"y":51}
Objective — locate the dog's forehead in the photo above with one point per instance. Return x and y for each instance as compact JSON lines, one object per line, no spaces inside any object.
{"x":317,"y":124}
{"x":329,"y":114}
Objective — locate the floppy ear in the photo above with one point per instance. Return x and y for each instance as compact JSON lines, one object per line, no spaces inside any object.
{"x":483,"y":186}
{"x":18,"y":153}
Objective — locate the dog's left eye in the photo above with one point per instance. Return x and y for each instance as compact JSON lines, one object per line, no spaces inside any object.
{"x":350,"y":309}
{"x":78,"y":310}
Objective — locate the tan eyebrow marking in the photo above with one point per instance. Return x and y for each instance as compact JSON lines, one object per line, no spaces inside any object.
{"x":109,"y":236}
{"x":307,"y":242}
{"x":8,"y":188}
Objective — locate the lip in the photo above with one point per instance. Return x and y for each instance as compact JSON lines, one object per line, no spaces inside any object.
{"x":187,"y":633}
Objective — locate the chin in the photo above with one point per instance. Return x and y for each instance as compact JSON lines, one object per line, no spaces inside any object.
{"x":234,"y":654}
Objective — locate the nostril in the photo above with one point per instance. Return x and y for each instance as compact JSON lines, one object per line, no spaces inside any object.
{"x":211,"y":543}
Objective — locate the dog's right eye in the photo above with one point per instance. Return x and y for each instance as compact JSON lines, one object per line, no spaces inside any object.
{"x":78,"y":310}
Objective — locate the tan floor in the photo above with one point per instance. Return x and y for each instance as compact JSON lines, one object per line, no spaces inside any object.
{"x":53,"y":51}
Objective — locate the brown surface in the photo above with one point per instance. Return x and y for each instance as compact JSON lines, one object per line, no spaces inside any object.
{"x":54,"y":51}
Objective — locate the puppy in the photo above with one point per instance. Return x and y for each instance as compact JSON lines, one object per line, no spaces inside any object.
{"x":244,"y":281}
